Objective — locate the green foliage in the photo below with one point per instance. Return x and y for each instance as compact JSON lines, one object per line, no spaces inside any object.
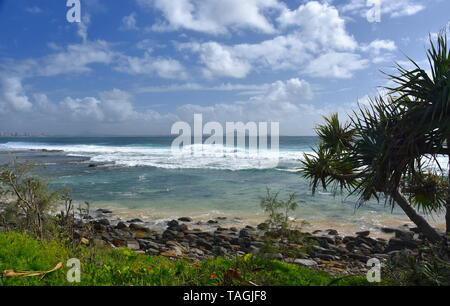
{"x":122,"y":267}
{"x":429,"y":267}
{"x":388,"y":145}
{"x":282,"y":235}
{"x":32,"y":198}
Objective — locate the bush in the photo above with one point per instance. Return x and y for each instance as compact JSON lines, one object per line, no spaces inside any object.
{"x":428,"y":267}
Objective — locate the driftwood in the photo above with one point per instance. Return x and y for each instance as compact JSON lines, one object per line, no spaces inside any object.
{"x":14,"y":273}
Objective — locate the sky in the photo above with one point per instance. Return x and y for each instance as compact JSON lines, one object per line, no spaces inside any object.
{"x":135,"y":67}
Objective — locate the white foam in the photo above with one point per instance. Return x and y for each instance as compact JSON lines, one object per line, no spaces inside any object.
{"x":190,"y":157}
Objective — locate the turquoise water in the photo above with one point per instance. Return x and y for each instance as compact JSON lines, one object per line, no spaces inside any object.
{"x":142,"y":175}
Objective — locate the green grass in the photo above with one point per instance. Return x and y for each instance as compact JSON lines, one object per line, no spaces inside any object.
{"x":122,"y":267}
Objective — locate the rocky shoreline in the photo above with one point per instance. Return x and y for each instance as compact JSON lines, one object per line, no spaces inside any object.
{"x":327,"y":250}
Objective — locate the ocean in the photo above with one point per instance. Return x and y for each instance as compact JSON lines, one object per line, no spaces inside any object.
{"x":140,"y":177}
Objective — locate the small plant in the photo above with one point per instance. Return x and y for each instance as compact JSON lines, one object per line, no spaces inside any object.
{"x":282,"y":235}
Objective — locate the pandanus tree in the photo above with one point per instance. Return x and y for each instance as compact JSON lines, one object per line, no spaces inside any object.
{"x":390,"y":148}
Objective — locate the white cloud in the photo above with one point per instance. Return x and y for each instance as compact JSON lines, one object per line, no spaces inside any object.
{"x":12,"y":95}
{"x":318,"y":29}
{"x":380,"y":50}
{"x":83,"y":109}
{"x":393,"y":8}
{"x":199,"y":87}
{"x":164,"y":67}
{"x":214,"y":16}
{"x":129,"y":22}
{"x":282,"y":101}
{"x":378,"y":45}
{"x":319,"y":23}
{"x":220,"y":60}
{"x":34,"y":10}
{"x":338,"y":65}
{"x":76,"y":59}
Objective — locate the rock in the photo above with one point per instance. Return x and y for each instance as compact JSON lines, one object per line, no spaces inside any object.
{"x":221,"y":218}
{"x":323,"y":241}
{"x":404,"y":235}
{"x":305,"y":262}
{"x":172,"y":253}
{"x":221,"y":251}
{"x":327,"y":257}
{"x":185,"y":219}
{"x":361,"y":258}
{"x":104,"y":211}
{"x":212,"y":222}
{"x":137,"y":227}
{"x":246,"y":233}
{"x":333,"y":232}
{"x":121,"y":226}
{"x":204,"y":244}
{"x":99,"y":227}
{"x":119,"y":243}
{"x":398,"y":245}
{"x":135,"y":221}
{"x":263,"y":226}
{"x":363,"y":234}
{"x":151,"y":251}
{"x":92,"y":166}
{"x":233,"y":229}
{"x":388,"y":230}
{"x":133,"y":245}
{"x":173,"y":223}
{"x":182,"y":228}
{"x":169,"y":234}
{"x":103,"y":222}
{"x":319,"y":250}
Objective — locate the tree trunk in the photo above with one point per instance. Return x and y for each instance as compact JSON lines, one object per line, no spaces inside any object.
{"x":418,"y":220}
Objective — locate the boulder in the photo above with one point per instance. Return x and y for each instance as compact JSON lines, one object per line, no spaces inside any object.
{"x":185,"y":219}
{"x":363,"y":234}
{"x":121,"y":226}
{"x":137,"y":227}
{"x":133,"y":245}
{"x":399,"y":244}
{"x":173,"y":223}
{"x":104,"y":211}
{"x":305,"y":262}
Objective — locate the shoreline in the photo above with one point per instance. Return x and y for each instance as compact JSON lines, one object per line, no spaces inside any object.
{"x":323,"y":250}
{"x":156,"y":220}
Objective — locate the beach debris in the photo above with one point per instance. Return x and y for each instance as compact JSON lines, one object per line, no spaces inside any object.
{"x":14,"y":273}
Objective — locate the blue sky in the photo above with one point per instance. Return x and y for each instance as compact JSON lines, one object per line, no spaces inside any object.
{"x":134,"y":67}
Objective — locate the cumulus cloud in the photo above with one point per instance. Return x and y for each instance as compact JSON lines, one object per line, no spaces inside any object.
{"x":380,"y":50}
{"x":12,"y":95}
{"x":319,"y":23}
{"x":164,"y":67}
{"x":282,"y":101}
{"x":219,"y":60}
{"x":393,"y":9}
{"x":318,"y":30}
{"x":113,"y":113}
{"x":214,"y":16}
{"x":337,"y":65}
{"x":75,"y":58}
